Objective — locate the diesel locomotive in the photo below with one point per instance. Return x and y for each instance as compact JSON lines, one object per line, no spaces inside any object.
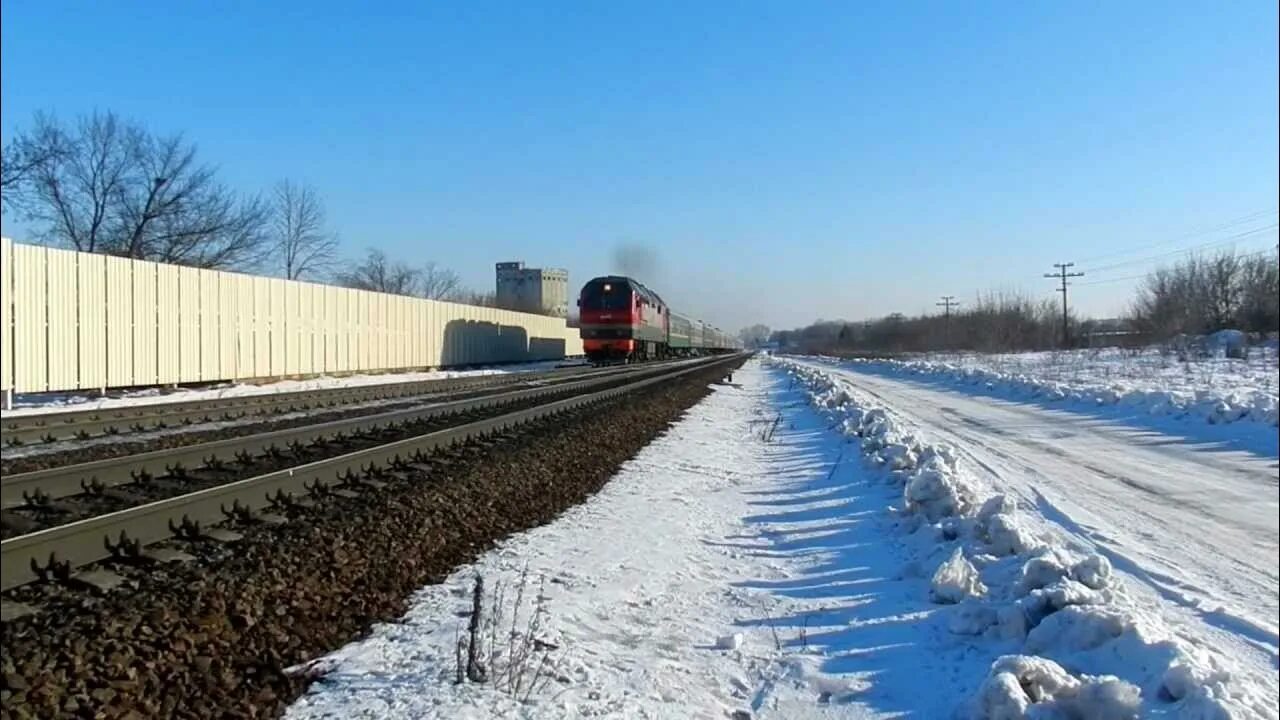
{"x":621,"y":320}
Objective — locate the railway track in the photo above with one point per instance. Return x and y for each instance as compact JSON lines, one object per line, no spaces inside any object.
{"x":231,"y":458}
{"x":83,"y":424}
{"x":54,"y":553}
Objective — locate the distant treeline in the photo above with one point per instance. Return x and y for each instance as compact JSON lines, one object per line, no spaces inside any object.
{"x":1195,"y":296}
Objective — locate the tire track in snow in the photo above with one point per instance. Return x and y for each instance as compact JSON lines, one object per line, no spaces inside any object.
{"x":1199,"y":528}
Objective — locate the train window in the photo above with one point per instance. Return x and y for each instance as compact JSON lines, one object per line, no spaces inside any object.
{"x":605,"y":296}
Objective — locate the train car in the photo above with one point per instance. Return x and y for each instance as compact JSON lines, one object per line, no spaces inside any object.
{"x":621,"y":320}
{"x":680,"y":338}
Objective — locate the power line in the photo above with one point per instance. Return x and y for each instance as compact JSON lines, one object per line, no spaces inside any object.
{"x":1247,"y":256}
{"x":1191,"y":248}
{"x":1186,"y":236}
{"x":1062,"y":275}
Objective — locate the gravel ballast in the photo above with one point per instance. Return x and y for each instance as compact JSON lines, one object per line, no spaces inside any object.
{"x":212,"y":638}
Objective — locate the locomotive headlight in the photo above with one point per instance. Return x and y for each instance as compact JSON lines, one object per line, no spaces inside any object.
{"x":607,"y":287}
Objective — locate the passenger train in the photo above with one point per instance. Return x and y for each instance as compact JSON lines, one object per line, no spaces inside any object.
{"x":621,"y":320}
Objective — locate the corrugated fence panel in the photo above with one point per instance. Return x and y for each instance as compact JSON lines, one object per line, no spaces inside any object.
{"x":6,"y":314}
{"x":466,"y":330}
{"x":488,"y":334}
{"x":146,"y":353}
{"x":311,"y":320}
{"x":456,"y":326}
{"x":261,"y":326}
{"x":377,"y":331}
{"x":431,"y":326}
{"x":342,"y":329}
{"x":30,"y":341}
{"x":367,"y":334}
{"x":188,"y":324}
{"x":291,"y":332}
{"x":301,"y":326}
{"x":323,"y":342}
{"x":379,"y":302}
{"x":400,"y":341}
{"x":418,"y":338}
{"x":328,"y":347}
{"x":210,"y":320}
{"x":485,"y":334}
{"x":407,"y":333}
{"x":305,"y":319}
{"x":354,"y":338}
{"x":277,"y":324}
{"x":391,"y":334}
{"x":228,"y":324}
{"x":447,"y":335}
{"x":246,"y":328}
{"x":477,"y":333}
{"x":168,"y":338}
{"x":431,"y":338}
{"x":61,"y":301}
{"x":91,"y":325}
{"x":118,"y":273}
{"x":354,"y":333}
{"x":364,"y":330}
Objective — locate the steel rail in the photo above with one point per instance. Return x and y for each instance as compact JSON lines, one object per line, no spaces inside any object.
{"x":48,"y":484}
{"x":87,"y":541}
{"x":79,"y":424}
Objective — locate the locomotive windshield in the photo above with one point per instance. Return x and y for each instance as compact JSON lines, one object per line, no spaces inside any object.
{"x":606,"y":296}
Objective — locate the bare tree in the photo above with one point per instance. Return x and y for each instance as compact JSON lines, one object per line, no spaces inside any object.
{"x":1260,"y":293}
{"x":302,"y":246}
{"x":107,"y":185}
{"x":438,"y":283}
{"x":72,"y":195}
{"x":1200,"y":295}
{"x":23,"y":158}
{"x":379,"y":274}
{"x":473,"y":297}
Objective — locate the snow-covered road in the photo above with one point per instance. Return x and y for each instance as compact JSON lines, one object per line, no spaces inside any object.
{"x":1195,"y":523}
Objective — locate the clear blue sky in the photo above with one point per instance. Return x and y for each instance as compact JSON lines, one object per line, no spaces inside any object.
{"x":785,"y":161}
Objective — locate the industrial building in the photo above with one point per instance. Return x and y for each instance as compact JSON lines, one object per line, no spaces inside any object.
{"x":533,"y":290}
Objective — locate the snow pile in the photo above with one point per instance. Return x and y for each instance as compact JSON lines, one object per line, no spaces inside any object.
{"x":927,"y":474}
{"x":1218,"y":391}
{"x":1017,"y":683}
{"x":1080,"y":651}
{"x":956,"y":580}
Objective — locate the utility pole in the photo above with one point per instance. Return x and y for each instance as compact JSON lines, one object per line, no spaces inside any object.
{"x":1062,"y":275}
{"x":948,"y":302}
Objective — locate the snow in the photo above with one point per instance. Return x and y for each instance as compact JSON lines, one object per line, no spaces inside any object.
{"x":956,"y":580}
{"x":1107,"y":551}
{"x":717,"y":572}
{"x":1150,"y":387}
{"x":865,"y":563}
{"x":1018,"y":683}
{"x":39,"y":403}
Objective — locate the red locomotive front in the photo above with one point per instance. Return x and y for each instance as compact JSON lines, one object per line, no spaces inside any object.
{"x":620,"y":320}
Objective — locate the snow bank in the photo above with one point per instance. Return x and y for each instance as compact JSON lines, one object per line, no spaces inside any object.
{"x":1217,"y":391}
{"x":956,"y":580}
{"x":1079,"y":652}
{"x":1030,"y":687}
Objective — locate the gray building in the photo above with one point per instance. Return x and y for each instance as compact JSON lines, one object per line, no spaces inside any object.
{"x":534,"y":290}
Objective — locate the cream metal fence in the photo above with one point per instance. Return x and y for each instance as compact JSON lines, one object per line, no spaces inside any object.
{"x":83,"y":321}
